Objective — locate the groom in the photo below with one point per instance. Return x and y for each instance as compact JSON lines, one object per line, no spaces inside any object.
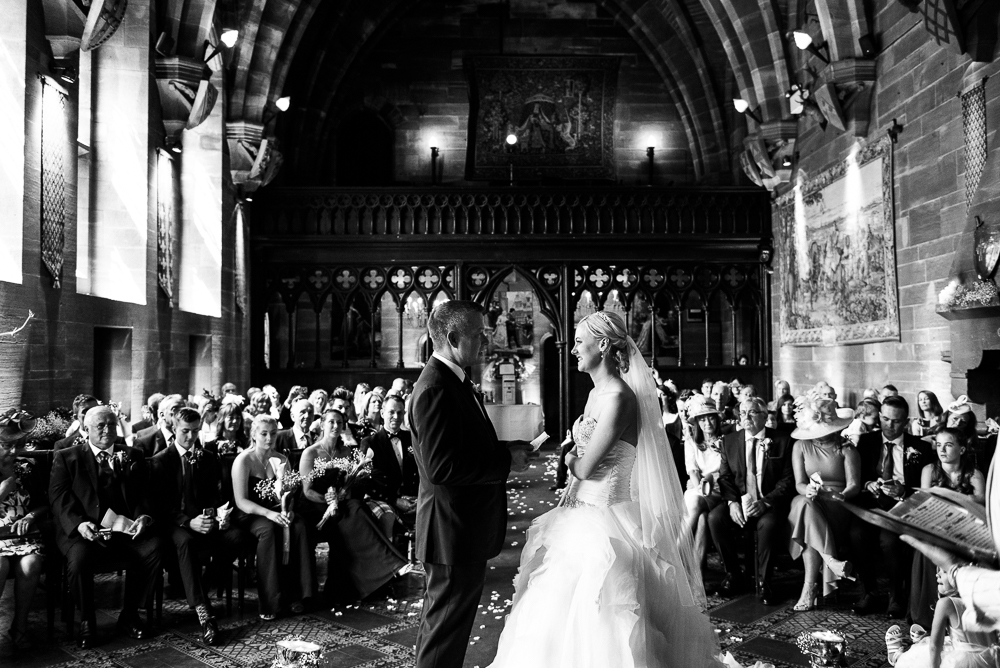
{"x":462,"y":501}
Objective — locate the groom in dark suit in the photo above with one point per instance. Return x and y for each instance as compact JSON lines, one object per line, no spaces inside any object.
{"x":891,"y":464}
{"x":462,"y":500}
{"x":756,"y":461}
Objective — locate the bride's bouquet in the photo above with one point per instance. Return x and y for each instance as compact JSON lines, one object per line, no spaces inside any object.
{"x":280,"y":489}
{"x":340,"y":475}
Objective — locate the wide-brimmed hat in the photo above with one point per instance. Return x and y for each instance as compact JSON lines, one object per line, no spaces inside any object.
{"x":699,"y":406}
{"x":816,"y":417}
{"x":15,"y":424}
{"x":959,"y":406}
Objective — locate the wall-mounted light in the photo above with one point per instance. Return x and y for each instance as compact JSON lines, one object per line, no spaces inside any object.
{"x":804,"y":41}
{"x":797,"y":96}
{"x":280,"y":105}
{"x":868,"y":48}
{"x":173,"y":144}
{"x":434,"y":162}
{"x":511,"y":143}
{"x":651,"y":153}
{"x":743,"y":107}
{"x":511,"y":139}
{"x":229,"y":37}
{"x":65,"y":69}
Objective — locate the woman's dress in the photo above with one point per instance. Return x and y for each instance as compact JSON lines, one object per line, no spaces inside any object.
{"x":16,"y":505}
{"x":822,"y":523}
{"x":581,"y":597}
{"x":361,"y":557}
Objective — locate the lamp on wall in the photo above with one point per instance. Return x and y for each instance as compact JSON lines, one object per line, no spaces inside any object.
{"x":434,"y":163}
{"x":743,"y":107}
{"x":804,"y":41}
{"x":280,"y":105}
{"x":173,"y":144}
{"x":511,"y":143}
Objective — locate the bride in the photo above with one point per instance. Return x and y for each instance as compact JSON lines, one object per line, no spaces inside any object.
{"x":607,"y":579}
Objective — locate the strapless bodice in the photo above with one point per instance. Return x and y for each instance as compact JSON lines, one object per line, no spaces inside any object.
{"x":611,"y":482}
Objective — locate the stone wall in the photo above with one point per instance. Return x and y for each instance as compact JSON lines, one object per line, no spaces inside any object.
{"x":414,"y":77}
{"x":917,"y":85}
{"x":52,"y":359}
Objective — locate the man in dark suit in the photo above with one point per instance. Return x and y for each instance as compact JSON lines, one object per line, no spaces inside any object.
{"x":294,"y":441}
{"x":186,"y":481}
{"x":149,"y":413}
{"x":891,"y":464}
{"x":159,"y":436}
{"x":395,"y":478}
{"x":81,"y":404}
{"x":756,"y":464}
{"x":463,"y":468}
{"x":87,"y":480}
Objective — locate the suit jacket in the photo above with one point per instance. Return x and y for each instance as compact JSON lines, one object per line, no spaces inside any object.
{"x":463,"y":468}
{"x":166,"y":481}
{"x":870,"y":447}
{"x":73,"y":489}
{"x":141,"y":425}
{"x":284,"y":441}
{"x":389,"y":481}
{"x":777,"y":480}
{"x":150,"y":441}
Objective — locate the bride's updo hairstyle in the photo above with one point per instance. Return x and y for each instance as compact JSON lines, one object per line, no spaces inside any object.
{"x":608,"y":326}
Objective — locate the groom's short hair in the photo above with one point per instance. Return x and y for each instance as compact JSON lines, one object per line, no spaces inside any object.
{"x":451,"y":316}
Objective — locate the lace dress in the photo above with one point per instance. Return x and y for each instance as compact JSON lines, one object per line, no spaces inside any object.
{"x":579,"y":596}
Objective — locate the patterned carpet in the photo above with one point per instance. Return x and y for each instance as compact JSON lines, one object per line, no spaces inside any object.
{"x":381,"y":633}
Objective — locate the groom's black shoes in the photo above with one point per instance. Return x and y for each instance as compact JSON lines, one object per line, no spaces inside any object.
{"x":767,"y":596}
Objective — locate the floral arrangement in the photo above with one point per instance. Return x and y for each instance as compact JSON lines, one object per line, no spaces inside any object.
{"x":295,"y":652}
{"x":341,"y":473}
{"x":274,"y":489}
{"x":493,"y":364}
{"x":976,"y":293}
{"x":52,"y":426}
{"x":227,"y":447}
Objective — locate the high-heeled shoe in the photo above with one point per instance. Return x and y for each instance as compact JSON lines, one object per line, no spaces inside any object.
{"x":809,"y":598}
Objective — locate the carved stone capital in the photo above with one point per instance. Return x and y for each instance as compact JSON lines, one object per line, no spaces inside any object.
{"x":254,"y":161}
{"x":768,"y":157}
{"x":843,"y":92}
{"x":186,"y":95}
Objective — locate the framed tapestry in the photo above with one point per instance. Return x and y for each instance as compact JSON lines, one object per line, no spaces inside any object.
{"x":561,"y":109}
{"x":837,"y":253}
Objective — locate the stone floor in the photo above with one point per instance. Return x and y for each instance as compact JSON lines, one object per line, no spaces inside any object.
{"x":381,"y":633}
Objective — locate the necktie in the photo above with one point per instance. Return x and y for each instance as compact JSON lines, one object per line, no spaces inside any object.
{"x":304,"y":441}
{"x":105,"y":472}
{"x":752,"y":469}
{"x":397,"y":448}
{"x":887,"y":461}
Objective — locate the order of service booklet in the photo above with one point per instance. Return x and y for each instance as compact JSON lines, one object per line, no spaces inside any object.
{"x":941,"y":517}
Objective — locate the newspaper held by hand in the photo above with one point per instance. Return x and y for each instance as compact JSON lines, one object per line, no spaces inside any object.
{"x":538,"y":441}
{"x":115,"y":522}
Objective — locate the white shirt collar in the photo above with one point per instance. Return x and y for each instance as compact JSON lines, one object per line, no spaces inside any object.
{"x":297,"y":432}
{"x":96,"y":450}
{"x":895,"y":441}
{"x":759,"y":435}
{"x":457,"y":370}
{"x":180,"y":451}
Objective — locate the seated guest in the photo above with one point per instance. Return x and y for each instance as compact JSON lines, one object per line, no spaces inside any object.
{"x":276,"y":404}
{"x":721,"y":396}
{"x":209,"y":410}
{"x":294,"y":441}
{"x":952,"y":470}
{"x":930,"y":414}
{"x":672,"y":420}
{"x":706,"y":387}
{"x":81,"y":404}
{"x":298,"y":392}
{"x":827,"y":472}
{"x":261,"y":514}
{"x":702,"y":459}
{"x":22,"y":507}
{"x":394,"y":479}
{"x":228,"y":388}
{"x":319,"y":399}
{"x":755,"y":476}
{"x":260,"y":404}
{"x":887,"y":391}
{"x":871,"y":393}
{"x":371,"y":417}
{"x":185,"y":480}
{"x":960,"y":416}
{"x":157,"y":438}
{"x":785,"y":407}
{"x":362,"y":557}
{"x":86,"y":482}
{"x":149,"y":413}
{"x":891,"y":465}
{"x":825,"y":390}
{"x":230,"y":440}
{"x":746,"y":392}
{"x":361,"y":392}
{"x":781,"y":388}
{"x":342,"y":402}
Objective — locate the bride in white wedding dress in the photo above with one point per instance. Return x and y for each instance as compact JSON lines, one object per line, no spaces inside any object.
{"x":607,"y":579}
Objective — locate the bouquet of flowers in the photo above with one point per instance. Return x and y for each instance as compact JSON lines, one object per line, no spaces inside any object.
{"x":227,"y":447}
{"x":285,"y":482}
{"x":341,"y":473}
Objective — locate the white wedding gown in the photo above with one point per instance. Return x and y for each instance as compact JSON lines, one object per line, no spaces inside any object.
{"x":588,"y":593}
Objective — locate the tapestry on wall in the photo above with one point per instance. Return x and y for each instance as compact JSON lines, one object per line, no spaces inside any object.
{"x":561,"y":109}
{"x":837,"y":253}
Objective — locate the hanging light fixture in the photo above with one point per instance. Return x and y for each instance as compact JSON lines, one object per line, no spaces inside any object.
{"x":804,"y":42}
{"x":743,"y":107}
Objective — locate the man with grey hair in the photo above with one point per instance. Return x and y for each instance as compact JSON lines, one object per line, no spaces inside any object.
{"x":160,"y":435}
{"x":462,"y":496}
{"x":88,"y":481}
{"x":757,"y":481}
{"x":294,"y":441}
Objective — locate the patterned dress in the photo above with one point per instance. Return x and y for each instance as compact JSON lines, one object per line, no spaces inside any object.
{"x":18,"y":504}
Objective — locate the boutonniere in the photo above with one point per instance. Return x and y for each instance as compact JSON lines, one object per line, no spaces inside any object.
{"x":196,"y":455}
{"x":765,"y":445}
{"x":912,"y":455}
{"x":118,"y":460}
{"x":477,"y":388}
{"x":410,"y":450}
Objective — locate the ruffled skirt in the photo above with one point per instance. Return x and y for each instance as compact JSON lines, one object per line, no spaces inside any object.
{"x":589,"y":594}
